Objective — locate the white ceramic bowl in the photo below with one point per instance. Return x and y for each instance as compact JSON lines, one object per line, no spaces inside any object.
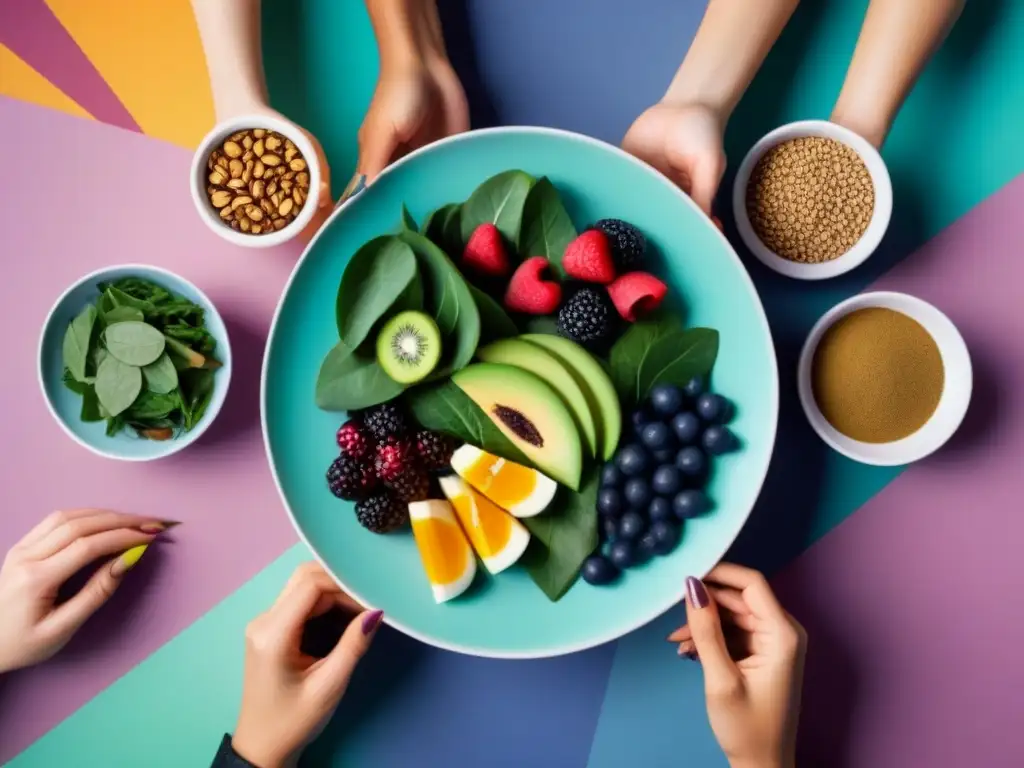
{"x":956,"y":392}
{"x":876,"y":227}
{"x":199,"y":173}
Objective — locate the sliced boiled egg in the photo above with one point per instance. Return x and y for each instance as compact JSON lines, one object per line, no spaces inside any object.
{"x":498,"y":538}
{"x":447,"y":557}
{"x":523,"y":491}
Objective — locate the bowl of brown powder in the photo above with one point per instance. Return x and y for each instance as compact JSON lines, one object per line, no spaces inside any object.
{"x":885,"y":378}
{"x":812,"y":199}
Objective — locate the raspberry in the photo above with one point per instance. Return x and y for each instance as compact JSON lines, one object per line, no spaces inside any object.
{"x":382,"y":513}
{"x":352,"y":440}
{"x":411,"y":484}
{"x":384,"y":421}
{"x":349,"y":478}
{"x":434,"y":449}
{"x":393,"y":456}
{"x":588,"y":318}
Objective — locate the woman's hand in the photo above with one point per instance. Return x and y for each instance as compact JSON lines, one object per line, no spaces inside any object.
{"x":752,"y":653}
{"x":34,"y":626}
{"x":684,"y":142}
{"x":287,"y":696}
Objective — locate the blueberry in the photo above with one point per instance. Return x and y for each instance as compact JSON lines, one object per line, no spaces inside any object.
{"x":694,"y":387}
{"x":659,"y":509}
{"x":666,"y":480}
{"x":597,"y":570}
{"x":665,"y":457}
{"x":666,"y":536}
{"x":638,"y":418}
{"x":632,"y":460}
{"x":690,"y":503}
{"x":610,"y":476}
{"x":686,"y":427}
{"x":621,"y":554}
{"x":714,"y":409}
{"x":631,"y":526}
{"x":609,"y":529}
{"x":666,"y":399}
{"x":637,"y":493}
{"x":647,"y":547}
{"x":609,"y":502}
{"x":691,"y":461}
{"x":656,"y":436}
{"x":718,"y":440}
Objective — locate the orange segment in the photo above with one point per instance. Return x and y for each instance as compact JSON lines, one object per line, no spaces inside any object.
{"x":488,"y":527}
{"x":504,"y":482}
{"x":442,"y":549}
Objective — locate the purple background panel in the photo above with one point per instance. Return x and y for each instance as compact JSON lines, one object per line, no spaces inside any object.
{"x":220,"y":487}
{"x":29,"y":28}
{"x":913,"y":604}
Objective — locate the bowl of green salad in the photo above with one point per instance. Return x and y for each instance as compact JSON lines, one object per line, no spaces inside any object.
{"x":134,"y":362}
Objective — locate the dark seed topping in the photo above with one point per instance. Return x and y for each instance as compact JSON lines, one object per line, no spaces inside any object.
{"x":519,"y":424}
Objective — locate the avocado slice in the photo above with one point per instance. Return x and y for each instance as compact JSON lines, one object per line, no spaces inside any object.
{"x":595,"y":383}
{"x":530,"y":414}
{"x":534,"y":359}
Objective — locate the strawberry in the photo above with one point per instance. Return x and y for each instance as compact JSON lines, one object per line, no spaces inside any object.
{"x":528,"y":292}
{"x":589,"y":258}
{"x":636,"y":293}
{"x":485,"y":252}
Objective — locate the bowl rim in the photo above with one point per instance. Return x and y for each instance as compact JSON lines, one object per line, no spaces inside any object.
{"x":174,"y":446}
{"x":956,"y":392}
{"x":618,"y":631}
{"x":880,"y":216}
{"x":197,"y":173}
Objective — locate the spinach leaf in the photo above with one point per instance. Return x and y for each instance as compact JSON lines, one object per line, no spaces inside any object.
{"x":451,"y":235}
{"x":547,"y":229}
{"x":150,"y":406}
{"x":563,"y":537}
{"x":134,"y":343}
{"x":96,"y":356}
{"x":161,"y":376}
{"x":76,"y":386}
{"x":375,"y":277}
{"x":117,"y":384}
{"x":114,"y":298}
{"x":90,"y":405}
{"x":449,"y":301}
{"x":676,"y":357}
{"x":408,"y":222}
{"x":122,"y":315}
{"x":196,"y":392}
{"x":628,"y":354}
{"x":114,"y":425}
{"x":494,"y":321}
{"x":498,"y":201}
{"x":348,"y":381}
{"x":77,"y":339}
{"x":433,"y":225}
{"x":446,"y":408}
{"x":198,"y":338}
{"x":182,"y":356}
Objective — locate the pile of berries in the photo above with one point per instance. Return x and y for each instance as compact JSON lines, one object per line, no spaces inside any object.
{"x":384,"y":463}
{"x":655,"y":481}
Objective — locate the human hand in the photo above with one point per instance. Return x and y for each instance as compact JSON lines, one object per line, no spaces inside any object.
{"x":34,"y":626}
{"x":752,"y":653}
{"x":684,"y":142}
{"x":287,"y":696}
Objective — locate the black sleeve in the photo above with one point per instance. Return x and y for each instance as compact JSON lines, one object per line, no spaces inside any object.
{"x":228,"y":758}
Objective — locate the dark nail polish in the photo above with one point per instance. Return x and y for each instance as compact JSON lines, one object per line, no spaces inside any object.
{"x":695,"y":593}
{"x":371,"y":621}
{"x":692,"y":656}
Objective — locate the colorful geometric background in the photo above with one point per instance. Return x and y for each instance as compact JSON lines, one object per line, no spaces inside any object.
{"x":908,"y":580}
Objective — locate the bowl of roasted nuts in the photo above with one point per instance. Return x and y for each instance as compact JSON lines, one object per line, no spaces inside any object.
{"x":255,"y":180}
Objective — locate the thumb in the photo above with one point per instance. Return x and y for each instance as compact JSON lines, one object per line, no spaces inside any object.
{"x":340,"y":663}
{"x":720,"y":672}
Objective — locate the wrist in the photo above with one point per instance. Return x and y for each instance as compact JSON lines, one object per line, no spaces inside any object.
{"x":868,"y":124}
{"x":682,"y":93}
{"x":259,"y":755}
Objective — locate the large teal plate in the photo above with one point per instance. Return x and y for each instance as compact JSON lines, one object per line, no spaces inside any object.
{"x":507,"y":616}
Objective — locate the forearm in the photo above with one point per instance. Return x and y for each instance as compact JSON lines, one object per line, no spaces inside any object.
{"x":230,"y":31}
{"x":731,"y":43}
{"x":896,"y":41}
{"x":408,"y":32}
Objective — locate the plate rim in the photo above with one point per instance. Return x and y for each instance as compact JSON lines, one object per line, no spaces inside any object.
{"x":619,"y":631}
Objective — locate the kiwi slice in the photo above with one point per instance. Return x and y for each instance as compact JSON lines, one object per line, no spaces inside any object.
{"x":409,"y":346}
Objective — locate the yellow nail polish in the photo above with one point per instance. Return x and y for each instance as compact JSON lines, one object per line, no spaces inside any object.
{"x":128,"y":559}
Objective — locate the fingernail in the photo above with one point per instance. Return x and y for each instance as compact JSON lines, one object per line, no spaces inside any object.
{"x":695,"y":593}
{"x":357,"y":185}
{"x":691,"y":655}
{"x":160,"y":527}
{"x":371,"y":621}
{"x":127,"y":560}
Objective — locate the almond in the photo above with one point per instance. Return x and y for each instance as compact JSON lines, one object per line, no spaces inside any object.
{"x":285,"y":207}
{"x":258,"y":169}
{"x":258,"y":148}
{"x":257,"y":188}
{"x":272,"y":142}
{"x":238,"y":202}
{"x":280,"y":223}
{"x":232,"y":149}
{"x":217,"y":177}
{"x":269,"y":158}
{"x":220,"y":198}
{"x":237,"y":184}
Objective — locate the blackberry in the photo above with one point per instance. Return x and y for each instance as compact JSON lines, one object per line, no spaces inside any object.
{"x":382,"y":513}
{"x":627,"y":242}
{"x":412,"y":484}
{"x":384,"y":421}
{"x":588,"y":318}
{"x":434,"y":449}
{"x":352,"y":440}
{"x":392,"y":457}
{"x":349,"y":478}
